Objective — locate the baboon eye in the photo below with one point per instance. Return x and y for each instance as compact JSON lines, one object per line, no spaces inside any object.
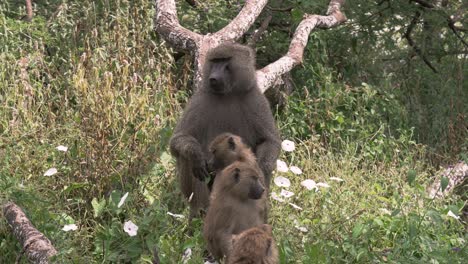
{"x":228,"y":68}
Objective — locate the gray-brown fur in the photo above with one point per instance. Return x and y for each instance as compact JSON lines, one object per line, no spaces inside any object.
{"x":231,"y":103}
{"x":254,"y":246}
{"x":225,"y":149}
{"x":237,"y":204}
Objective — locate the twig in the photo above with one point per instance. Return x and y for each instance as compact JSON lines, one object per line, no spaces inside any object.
{"x":418,"y":51}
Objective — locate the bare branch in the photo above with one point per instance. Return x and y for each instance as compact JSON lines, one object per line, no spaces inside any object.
{"x":413,"y":45}
{"x":37,"y":247}
{"x":259,"y":32}
{"x":267,"y":76}
{"x":29,"y":10}
{"x":424,"y":3}
{"x":242,"y":22}
{"x":167,"y":24}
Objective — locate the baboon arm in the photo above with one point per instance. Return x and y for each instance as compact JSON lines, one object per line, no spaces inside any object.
{"x":268,"y":148}
{"x":186,"y":146}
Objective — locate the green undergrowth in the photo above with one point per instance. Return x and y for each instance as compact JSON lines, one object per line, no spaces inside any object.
{"x":93,"y":76}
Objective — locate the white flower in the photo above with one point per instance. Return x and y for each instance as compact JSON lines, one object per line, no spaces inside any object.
{"x":187,"y":255}
{"x":130,"y":228}
{"x":50,"y":172}
{"x":295,"y":170}
{"x":286,"y":193}
{"x":451,"y":214}
{"x":281,"y":181}
{"x":303,"y":229}
{"x":309,"y":184}
{"x":71,"y":227}
{"x":336,"y":179}
{"x":323,"y":184}
{"x":122,"y":200}
{"x":281,"y":166}
{"x":385,"y":211}
{"x":62,"y":148}
{"x":175,"y":215}
{"x":295,"y":206}
{"x":275,"y":196}
{"x":288,"y":145}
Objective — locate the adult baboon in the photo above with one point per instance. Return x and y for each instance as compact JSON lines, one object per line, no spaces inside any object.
{"x":254,"y":246}
{"x":237,"y":203}
{"x":228,"y":101}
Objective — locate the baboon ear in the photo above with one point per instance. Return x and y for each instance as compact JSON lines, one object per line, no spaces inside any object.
{"x":236,"y":175}
{"x":266,"y":228}
{"x":232,"y":144}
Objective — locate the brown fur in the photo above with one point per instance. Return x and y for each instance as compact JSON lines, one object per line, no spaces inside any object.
{"x":237,"y":203}
{"x":254,"y":246}
{"x":234,"y":104}
{"x":225,"y":149}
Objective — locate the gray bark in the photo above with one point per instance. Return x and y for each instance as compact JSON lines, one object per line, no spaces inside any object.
{"x":168,"y":26}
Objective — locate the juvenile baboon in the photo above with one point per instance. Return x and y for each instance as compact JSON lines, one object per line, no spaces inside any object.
{"x":225,"y":149}
{"x":227,"y":101}
{"x":237,"y":204}
{"x":254,"y":246}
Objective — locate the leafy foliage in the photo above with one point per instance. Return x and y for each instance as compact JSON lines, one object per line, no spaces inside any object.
{"x":93,"y":76}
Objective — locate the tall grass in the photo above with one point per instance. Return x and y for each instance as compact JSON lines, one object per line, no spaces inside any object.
{"x":93,"y":76}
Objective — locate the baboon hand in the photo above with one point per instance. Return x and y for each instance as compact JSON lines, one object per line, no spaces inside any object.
{"x":200,"y":170}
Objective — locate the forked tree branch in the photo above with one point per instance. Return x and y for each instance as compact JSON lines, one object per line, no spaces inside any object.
{"x":167,"y":24}
{"x":35,"y":245}
{"x":267,"y":76}
{"x":242,"y":22}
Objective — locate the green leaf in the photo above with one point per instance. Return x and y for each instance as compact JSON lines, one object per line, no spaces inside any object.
{"x":297,"y":14}
{"x":444,"y":183}
{"x":98,"y":207}
{"x":411,"y":176}
{"x":357,"y":230}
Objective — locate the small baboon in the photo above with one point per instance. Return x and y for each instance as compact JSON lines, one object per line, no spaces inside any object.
{"x":254,"y":246}
{"x":225,"y":149}
{"x":227,"y":101}
{"x":237,"y":203}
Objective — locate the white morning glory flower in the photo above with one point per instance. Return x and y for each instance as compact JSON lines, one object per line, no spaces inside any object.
{"x":295,"y":170}
{"x":281,"y":181}
{"x":309,"y":184}
{"x":281,"y":166}
{"x":122,"y":200}
{"x":288,"y":145}
{"x":71,"y":227}
{"x":336,"y":179}
{"x":276,"y":197}
{"x":451,"y":214}
{"x":286,"y":193}
{"x":187,"y":255}
{"x":50,"y":172}
{"x":130,"y":228}
{"x":62,"y":148}
{"x":175,"y":215}
{"x":295,"y":206}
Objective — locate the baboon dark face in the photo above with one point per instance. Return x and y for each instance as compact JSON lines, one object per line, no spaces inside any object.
{"x":229,"y":69}
{"x":247,"y":184}
{"x":219,"y":80}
